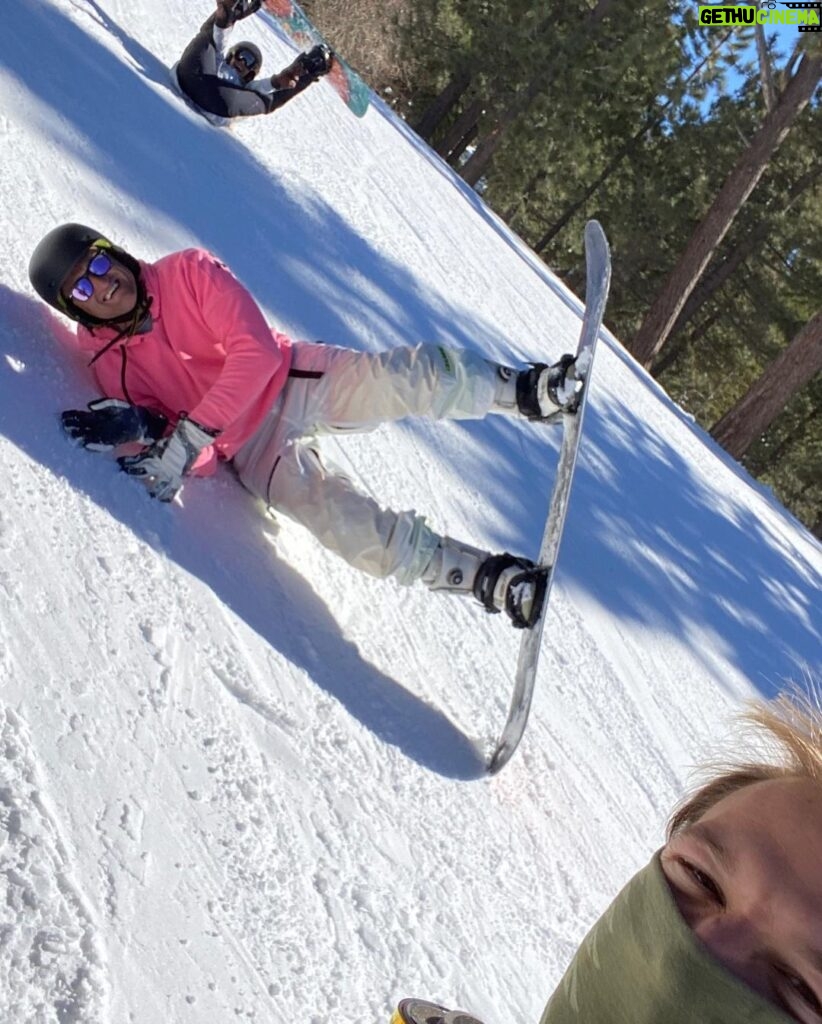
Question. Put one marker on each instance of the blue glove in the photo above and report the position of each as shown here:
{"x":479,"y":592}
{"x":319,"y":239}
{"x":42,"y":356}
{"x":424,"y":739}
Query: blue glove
{"x":163,"y":466}
{"x":111,"y":422}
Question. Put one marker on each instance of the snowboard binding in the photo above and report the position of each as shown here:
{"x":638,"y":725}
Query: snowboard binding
{"x":316,"y":63}
{"x":418,"y":1011}
{"x":231,"y":11}
{"x":514,"y":585}
{"x":239,"y":9}
{"x":543,"y":390}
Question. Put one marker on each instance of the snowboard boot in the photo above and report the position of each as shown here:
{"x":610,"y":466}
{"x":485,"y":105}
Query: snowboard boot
{"x":501,"y":583}
{"x":418,"y":1011}
{"x":541,"y":391}
{"x":514,"y":585}
{"x":314,"y":64}
{"x":304,"y":69}
{"x":230,"y":11}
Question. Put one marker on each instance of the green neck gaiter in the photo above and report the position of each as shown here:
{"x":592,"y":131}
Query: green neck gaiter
{"x":640,"y":964}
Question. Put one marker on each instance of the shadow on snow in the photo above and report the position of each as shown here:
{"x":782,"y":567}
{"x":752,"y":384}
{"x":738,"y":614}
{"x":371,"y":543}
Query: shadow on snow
{"x":646,"y":539}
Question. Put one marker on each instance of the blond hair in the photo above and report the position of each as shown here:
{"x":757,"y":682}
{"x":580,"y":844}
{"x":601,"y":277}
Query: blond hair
{"x":788,"y":733}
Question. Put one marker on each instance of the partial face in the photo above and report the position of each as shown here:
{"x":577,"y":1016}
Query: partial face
{"x":244,"y":63}
{"x":113,"y":293}
{"x":747,"y":878}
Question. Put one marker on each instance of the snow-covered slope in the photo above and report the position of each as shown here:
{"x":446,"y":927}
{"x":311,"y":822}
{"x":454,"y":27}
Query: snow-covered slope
{"x":238,"y":781}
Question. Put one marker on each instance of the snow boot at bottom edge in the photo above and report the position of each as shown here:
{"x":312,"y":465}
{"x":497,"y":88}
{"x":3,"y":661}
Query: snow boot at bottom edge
{"x":419,"y":1011}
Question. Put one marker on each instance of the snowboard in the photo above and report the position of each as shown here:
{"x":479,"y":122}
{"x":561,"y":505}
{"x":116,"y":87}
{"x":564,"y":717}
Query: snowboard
{"x":598,"y":277}
{"x":420,"y":1011}
{"x":290,"y":18}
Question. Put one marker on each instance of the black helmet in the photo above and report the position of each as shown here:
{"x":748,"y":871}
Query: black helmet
{"x":57,"y":253}
{"x":246,"y":49}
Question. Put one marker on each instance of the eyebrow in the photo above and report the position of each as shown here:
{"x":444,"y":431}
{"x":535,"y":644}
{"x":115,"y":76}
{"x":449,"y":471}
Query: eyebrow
{"x":707,"y":835}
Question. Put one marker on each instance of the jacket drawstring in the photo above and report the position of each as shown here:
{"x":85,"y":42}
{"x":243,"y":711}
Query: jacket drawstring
{"x":123,"y":361}
{"x":141,"y":312}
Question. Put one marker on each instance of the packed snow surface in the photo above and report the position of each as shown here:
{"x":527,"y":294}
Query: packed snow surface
{"x":238,"y":780}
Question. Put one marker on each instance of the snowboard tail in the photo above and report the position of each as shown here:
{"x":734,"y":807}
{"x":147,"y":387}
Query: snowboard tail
{"x":290,"y":18}
{"x":598,"y":269}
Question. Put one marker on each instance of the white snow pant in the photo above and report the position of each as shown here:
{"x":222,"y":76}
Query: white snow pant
{"x":336,"y":390}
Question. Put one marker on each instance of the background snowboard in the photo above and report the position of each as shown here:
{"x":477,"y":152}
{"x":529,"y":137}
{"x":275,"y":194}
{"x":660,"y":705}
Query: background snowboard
{"x":290,"y":17}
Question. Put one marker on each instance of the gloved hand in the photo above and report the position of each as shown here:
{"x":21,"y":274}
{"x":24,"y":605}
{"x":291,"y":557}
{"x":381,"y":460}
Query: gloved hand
{"x":111,"y":422}
{"x":229,"y":11}
{"x":163,"y":465}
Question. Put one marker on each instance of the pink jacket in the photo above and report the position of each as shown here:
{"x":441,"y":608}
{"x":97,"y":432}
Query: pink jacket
{"x":209,"y":352}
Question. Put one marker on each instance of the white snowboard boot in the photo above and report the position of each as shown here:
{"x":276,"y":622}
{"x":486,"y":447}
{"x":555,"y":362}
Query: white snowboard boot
{"x":541,"y":391}
{"x":501,"y":583}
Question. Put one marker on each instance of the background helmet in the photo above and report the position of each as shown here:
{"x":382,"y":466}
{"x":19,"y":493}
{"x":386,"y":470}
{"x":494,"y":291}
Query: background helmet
{"x":57,"y":253}
{"x":246,"y":48}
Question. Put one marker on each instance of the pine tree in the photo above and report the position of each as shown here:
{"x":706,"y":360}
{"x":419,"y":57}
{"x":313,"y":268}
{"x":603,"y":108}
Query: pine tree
{"x":739,"y":184}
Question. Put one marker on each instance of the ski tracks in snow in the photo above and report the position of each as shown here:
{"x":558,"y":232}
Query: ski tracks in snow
{"x":53,"y":966}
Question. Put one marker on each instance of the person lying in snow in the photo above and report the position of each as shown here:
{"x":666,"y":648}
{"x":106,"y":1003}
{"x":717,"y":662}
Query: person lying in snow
{"x":223,"y":84}
{"x":184,"y":334}
{"x":724,"y":925}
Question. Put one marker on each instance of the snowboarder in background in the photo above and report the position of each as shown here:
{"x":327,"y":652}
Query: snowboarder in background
{"x":184,"y":334}
{"x":224,"y":85}
{"x":724,"y":925}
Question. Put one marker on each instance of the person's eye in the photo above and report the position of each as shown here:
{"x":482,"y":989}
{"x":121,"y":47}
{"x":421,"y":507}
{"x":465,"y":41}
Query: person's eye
{"x":798,"y":998}
{"x":704,"y":882}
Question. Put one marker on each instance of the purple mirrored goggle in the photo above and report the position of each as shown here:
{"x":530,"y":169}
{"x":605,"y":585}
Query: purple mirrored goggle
{"x":83,"y":288}
{"x":247,"y":57}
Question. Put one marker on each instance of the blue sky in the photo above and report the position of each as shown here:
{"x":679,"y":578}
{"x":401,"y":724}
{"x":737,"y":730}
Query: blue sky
{"x":785,"y":38}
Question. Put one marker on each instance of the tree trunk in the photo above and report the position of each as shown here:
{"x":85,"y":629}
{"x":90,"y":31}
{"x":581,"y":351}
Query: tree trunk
{"x":464,"y":124}
{"x":719,"y":273}
{"x":766,"y":398}
{"x":462,"y":145}
{"x":739,"y":184}
{"x":441,"y":107}
{"x":483,"y":154}
{"x":765,"y":74}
